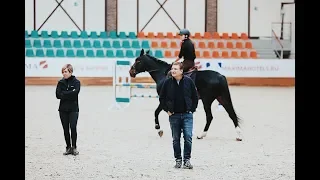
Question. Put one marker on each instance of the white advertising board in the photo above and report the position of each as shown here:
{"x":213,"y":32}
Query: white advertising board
{"x":96,"y":67}
{"x":251,"y":68}
{"x":82,"y":67}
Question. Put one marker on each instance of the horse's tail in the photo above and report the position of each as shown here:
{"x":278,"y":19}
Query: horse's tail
{"x":226,"y":100}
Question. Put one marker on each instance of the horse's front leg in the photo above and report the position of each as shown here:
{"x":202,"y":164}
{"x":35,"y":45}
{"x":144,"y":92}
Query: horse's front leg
{"x":156,"y":120}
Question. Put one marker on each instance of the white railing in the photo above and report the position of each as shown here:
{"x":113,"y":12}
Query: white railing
{"x":276,"y":44}
{"x":282,"y":30}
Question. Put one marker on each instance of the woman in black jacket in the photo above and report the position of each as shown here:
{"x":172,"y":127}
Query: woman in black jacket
{"x":67,"y":91}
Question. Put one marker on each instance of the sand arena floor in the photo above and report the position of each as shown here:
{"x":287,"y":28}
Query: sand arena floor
{"x":124,"y":145}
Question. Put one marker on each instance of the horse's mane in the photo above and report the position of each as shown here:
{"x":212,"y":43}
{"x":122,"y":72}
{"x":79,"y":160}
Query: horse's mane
{"x":157,"y":60}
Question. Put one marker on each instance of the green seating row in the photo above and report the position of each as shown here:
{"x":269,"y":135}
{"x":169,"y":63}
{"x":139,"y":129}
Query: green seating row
{"x":88,"y":53}
{"x":83,"y":34}
{"x":87,"y":44}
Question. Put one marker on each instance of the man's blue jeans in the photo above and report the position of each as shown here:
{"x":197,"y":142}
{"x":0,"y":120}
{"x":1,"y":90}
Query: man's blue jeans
{"x":182,"y":122}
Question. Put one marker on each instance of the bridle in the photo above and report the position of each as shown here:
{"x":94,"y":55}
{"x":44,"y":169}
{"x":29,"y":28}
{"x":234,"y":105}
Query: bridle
{"x":145,"y":69}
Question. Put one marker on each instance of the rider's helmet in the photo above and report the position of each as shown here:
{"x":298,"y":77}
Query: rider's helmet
{"x":185,"y":32}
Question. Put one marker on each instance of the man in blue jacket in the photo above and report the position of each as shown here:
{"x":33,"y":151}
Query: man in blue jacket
{"x":179,"y":99}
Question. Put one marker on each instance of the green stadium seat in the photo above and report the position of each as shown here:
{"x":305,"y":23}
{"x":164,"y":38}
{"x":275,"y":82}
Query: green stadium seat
{"x":150,"y":52}
{"x":26,"y":34}
{"x":158,"y":54}
{"x":37,"y":43}
{"x":116,"y":44}
{"x":94,"y":35}
{"x":67,"y":44}
{"x":106,"y":44}
{"x":113,"y":34}
{"x":132,"y":35}
{"x":74,"y":34}
{"x":103,"y":35}
{"x":136,"y":44}
{"x":90,"y":53}
{"x":27,"y":43}
{"x":54,"y":34}
{"x":44,"y":34}
{"x":49,"y":53}
{"x":119,"y":53}
{"x":96,"y":44}
{"x":57,"y":44}
{"x":47,"y":43}
{"x":84,"y":34}
{"x":64,"y":34}
{"x":29,"y":53}
{"x":110,"y":53}
{"x":137,"y":53}
{"x":60,"y":53}
{"x":80,"y":53}
{"x":126,"y":44}
{"x":39,"y":53}
{"x":145,"y":44}
{"x":77,"y":44}
{"x":129,"y":54}
{"x":34,"y":34}
{"x":87,"y":44}
{"x":70,"y":53}
{"x":100,"y":53}
{"x":122,"y":35}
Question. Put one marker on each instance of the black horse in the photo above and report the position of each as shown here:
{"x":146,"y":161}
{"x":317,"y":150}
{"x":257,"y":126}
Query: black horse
{"x":211,"y":85}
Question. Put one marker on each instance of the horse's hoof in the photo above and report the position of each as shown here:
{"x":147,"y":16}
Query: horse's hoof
{"x":160,"y":133}
{"x":199,"y":137}
{"x":238,"y":139}
{"x":157,"y":126}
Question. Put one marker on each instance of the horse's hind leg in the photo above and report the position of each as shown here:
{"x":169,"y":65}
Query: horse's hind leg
{"x":232,"y":114}
{"x":207,"y":102}
{"x":156,"y":120}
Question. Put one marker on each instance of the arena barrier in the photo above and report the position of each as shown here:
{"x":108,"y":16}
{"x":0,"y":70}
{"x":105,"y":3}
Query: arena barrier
{"x":122,"y":86}
{"x":99,"y":71}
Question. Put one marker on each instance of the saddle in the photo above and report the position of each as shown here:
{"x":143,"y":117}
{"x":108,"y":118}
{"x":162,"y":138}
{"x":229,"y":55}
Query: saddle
{"x":191,"y":73}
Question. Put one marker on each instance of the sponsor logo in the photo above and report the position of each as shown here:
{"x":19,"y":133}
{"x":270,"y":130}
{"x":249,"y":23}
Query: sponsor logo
{"x":91,"y":68}
{"x":36,"y":66}
{"x":226,"y":67}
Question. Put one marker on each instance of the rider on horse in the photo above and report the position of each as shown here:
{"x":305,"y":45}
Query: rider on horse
{"x":187,"y":50}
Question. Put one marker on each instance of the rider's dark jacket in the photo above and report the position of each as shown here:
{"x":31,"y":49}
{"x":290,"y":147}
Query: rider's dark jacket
{"x":187,"y":50}
{"x":182,"y":97}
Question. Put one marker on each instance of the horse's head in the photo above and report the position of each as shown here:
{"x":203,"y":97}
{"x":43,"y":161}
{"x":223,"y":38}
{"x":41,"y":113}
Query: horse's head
{"x":143,"y":63}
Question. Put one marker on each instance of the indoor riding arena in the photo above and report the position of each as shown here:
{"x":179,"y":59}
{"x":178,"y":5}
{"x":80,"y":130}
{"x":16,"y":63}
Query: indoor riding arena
{"x":251,"y":43}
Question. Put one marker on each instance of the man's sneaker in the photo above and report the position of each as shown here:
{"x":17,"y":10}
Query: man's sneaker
{"x":187,"y":164}
{"x":74,"y":151}
{"x":178,"y":163}
{"x":68,"y":151}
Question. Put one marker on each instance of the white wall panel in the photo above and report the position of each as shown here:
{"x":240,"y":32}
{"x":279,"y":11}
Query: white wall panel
{"x":160,"y":22}
{"x":59,"y":20}
{"x":262,"y":14}
{"x":29,"y":15}
{"x":195,"y":16}
{"x":95,"y":15}
{"x":232,"y":16}
{"x":127,"y":15}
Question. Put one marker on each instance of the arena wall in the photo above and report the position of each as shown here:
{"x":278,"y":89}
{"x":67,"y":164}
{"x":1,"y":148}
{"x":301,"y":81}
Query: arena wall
{"x":97,"y":71}
{"x":285,"y":82}
{"x":254,"y":17}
